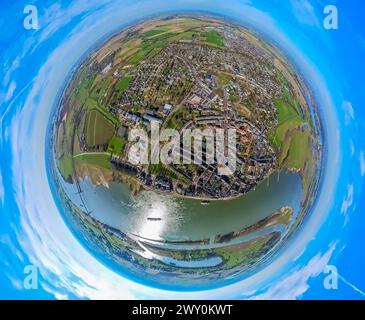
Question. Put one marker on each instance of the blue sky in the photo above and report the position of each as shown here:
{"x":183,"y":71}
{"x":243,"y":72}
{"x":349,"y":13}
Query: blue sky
{"x":37,"y":63}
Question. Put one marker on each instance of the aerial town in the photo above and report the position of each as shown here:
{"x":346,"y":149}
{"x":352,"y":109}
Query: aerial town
{"x":190,"y":76}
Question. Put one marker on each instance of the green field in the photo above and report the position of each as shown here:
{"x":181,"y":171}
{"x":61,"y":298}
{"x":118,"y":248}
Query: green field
{"x":288,"y":120}
{"x":215,"y":38}
{"x":244,"y":254}
{"x":116,"y":145}
{"x":83,"y":88}
{"x":98,"y":130}
{"x":178,"y":117}
{"x":109,"y":116}
{"x":154,"y":52}
{"x":163,"y":170}
{"x":300,"y":148}
{"x":224,"y":78}
{"x":101,"y":160}
{"x":123,"y":83}
{"x":147,"y":48}
{"x":139,"y":56}
{"x":101,"y":88}
{"x":93,"y":104}
{"x":188,"y":35}
{"x":65,"y":165}
{"x":290,"y":139}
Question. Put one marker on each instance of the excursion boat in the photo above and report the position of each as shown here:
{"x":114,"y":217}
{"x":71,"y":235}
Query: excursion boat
{"x":154,"y":219}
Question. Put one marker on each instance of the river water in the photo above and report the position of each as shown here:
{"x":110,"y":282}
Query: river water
{"x":177,"y":219}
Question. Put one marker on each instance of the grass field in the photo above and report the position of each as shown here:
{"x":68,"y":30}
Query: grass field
{"x":146,"y":49}
{"x":116,"y":145}
{"x":176,"y":119}
{"x":213,"y":37}
{"x":292,"y":141}
{"x":98,"y":130}
{"x":109,"y":116}
{"x":83,"y":88}
{"x":65,"y":165}
{"x":300,"y":148}
{"x":101,"y":160}
{"x":288,"y":119}
{"x":163,"y":170}
{"x":224,"y":78}
{"x":139,"y":56}
{"x":93,"y":104}
{"x":83,"y":91}
{"x":244,"y":253}
{"x":154,"y":52}
{"x":188,"y":35}
{"x":101,"y":88}
{"x":123,"y":83}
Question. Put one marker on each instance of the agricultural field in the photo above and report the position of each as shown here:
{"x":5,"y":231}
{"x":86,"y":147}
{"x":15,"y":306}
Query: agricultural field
{"x":292,"y":136}
{"x":155,"y":32}
{"x":100,"y":160}
{"x":98,"y":130}
{"x":215,"y":38}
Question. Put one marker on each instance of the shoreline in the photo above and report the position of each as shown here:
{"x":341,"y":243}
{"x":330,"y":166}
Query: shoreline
{"x":143,"y":188}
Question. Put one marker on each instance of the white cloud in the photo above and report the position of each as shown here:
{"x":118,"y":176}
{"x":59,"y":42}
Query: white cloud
{"x":362,"y":163}
{"x":10,"y":92}
{"x":348,"y":201}
{"x":349,"y":111}
{"x":352,"y":286}
{"x":296,"y":284}
{"x":13,"y":66}
{"x":352,"y":148}
{"x":305,"y":12}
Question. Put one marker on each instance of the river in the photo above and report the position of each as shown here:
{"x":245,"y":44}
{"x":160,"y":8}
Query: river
{"x":177,"y":219}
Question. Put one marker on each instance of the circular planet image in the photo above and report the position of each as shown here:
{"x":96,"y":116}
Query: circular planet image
{"x":186,"y":151}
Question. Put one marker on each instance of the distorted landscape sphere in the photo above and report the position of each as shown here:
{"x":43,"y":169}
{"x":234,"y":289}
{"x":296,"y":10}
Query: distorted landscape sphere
{"x":187,"y":151}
